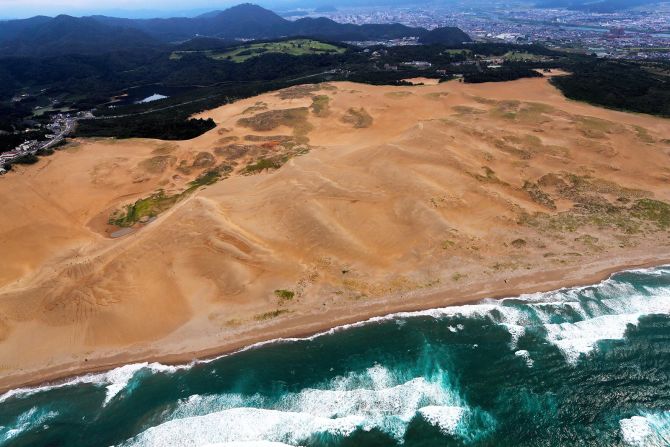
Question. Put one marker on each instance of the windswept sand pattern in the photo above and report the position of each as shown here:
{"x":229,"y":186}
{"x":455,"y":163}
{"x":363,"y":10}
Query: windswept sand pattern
{"x":347,"y":196}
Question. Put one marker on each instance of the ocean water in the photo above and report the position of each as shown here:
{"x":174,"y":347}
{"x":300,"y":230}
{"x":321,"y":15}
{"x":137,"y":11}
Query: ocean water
{"x":585,"y":366}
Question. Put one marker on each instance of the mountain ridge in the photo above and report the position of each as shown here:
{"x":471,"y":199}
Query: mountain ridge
{"x":40,"y":35}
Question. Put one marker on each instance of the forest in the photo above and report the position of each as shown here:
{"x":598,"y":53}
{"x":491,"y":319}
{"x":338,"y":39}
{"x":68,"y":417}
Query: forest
{"x":197,"y":82}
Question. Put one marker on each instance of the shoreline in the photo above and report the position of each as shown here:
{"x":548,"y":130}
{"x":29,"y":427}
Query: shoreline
{"x":310,"y":325}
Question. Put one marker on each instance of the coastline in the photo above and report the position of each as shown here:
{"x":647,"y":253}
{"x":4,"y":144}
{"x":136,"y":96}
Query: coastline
{"x":308,"y":325}
{"x":431,"y":205}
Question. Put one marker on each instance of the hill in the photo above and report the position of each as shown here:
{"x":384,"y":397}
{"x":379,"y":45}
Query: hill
{"x":445,"y":35}
{"x":70,"y":35}
{"x":249,"y":21}
{"x":40,"y":36}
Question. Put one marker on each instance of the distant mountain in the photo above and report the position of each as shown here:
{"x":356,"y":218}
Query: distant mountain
{"x":249,"y":21}
{"x":445,"y":35}
{"x":41,"y":36}
{"x":11,"y":29}
{"x":209,"y":14}
{"x":603,"y":6}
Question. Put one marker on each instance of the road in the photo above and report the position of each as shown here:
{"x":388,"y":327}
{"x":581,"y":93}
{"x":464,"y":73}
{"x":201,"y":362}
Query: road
{"x":69,"y":127}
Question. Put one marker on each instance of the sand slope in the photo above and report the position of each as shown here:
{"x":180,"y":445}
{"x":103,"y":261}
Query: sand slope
{"x":388,"y":198}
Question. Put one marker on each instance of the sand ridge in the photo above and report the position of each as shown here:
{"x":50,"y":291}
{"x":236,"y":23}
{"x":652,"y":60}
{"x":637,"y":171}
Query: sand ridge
{"x":332,"y":198}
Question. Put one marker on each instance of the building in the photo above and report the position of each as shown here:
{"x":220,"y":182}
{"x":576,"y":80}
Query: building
{"x":418,"y":64}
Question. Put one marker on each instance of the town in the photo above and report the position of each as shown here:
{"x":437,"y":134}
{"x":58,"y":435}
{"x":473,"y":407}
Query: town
{"x":641,"y":33}
{"x":62,"y":124}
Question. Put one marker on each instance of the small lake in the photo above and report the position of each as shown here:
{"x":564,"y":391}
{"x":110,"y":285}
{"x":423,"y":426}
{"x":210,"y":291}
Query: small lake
{"x":149,"y":93}
{"x":152,"y":98}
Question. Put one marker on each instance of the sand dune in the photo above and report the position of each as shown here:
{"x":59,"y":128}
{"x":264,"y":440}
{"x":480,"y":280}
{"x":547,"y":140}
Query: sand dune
{"x":333,"y":202}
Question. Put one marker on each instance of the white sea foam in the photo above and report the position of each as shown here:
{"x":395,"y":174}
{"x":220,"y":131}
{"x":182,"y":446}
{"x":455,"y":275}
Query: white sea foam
{"x":516,"y":332}
{"x":616,"y":314}
{"x":647,"y":430}
{"x":115,"y":380}
{"x":248,"y":444}
{"x":575,"y":339}
{"x":444,"y":418}
{"x":244,"y":425}
{"x":526,"y":356}
{"x":25,"y":422}
{"x":371,"y":399}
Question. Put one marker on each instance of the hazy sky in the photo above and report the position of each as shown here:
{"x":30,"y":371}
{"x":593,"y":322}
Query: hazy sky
{"x":26,"y":8}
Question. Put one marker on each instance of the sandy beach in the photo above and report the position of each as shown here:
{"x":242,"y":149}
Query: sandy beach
{"x":309,"y":325}
{"x":337,"y":203}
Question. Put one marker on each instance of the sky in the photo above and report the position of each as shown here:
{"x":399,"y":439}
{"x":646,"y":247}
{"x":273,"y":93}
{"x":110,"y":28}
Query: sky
{"x":139,"y":8}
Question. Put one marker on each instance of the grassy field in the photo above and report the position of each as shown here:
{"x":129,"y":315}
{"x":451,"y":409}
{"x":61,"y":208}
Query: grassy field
{"x":295,"y":47}
{"x":453,"y":51}
{"x":516,"y":56}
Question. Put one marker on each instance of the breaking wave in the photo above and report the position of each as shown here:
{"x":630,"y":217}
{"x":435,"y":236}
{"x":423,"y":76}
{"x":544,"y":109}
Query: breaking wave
{"x":420,"y":382}
{"x":114,"y":381}
{"x":26,"y":421}
{"x":375,"y":399}
{"x":647,"y":430}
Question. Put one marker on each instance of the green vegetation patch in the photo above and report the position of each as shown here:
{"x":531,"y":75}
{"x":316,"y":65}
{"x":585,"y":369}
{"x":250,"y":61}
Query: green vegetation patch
{"x":643,"y":134}
{"x":653,"y":211}
{"x":298,"y":91}
{"x":228,"y":139}
{"x":596,"y":202}
{"x":283,"y":139}
{"x":467,"y":110}
{"x":284,"y":295}
{"x":398,"y":95}
{"x":271,"y":315}
{"x":522,"y":56}
{"x":294,"y":47}
{"x":258,"y":107}
{"x":158,"y":164}
{"x":529,"y":113}
{"x":152,"y":206}
{"x":524,"y":146}
{"x":458,"y":276}
{"x":448,"y":244}
{"x":320,"y":106}
{"x":435,"y":96}
{"x":289,"y":149}
{"x":359,"y":118}
{"x":591,"y":242}
{"x":519,"y":243}
{"x":538,"y":196}
{"x":235,"y":151}
{"x":165,"y":149}
{"x":144,"y":208}
{"x":209,"y":178}
{"x":264,"y":164}
{"x":203,"y":160}
{"x":592,"y":127}
{"x":489,"y":176}
{"x":270,"y":120}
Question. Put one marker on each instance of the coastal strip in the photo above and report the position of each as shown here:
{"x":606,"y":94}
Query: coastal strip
{"x":312,"y":325}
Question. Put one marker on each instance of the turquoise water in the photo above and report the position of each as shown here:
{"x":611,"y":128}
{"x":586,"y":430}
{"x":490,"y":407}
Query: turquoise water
{"x":586,"y":366}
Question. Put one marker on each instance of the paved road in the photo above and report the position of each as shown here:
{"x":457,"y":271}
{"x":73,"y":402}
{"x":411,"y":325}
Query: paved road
{"x":69,"y":127}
